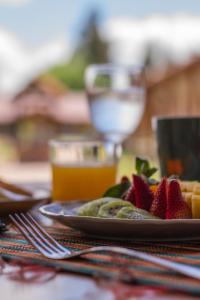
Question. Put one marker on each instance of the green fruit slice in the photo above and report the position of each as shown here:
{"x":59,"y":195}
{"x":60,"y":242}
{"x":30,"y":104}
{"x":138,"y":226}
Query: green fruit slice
{"x":92,"y":208}
{"x":111,"y":209}
{"x":134,"y":213}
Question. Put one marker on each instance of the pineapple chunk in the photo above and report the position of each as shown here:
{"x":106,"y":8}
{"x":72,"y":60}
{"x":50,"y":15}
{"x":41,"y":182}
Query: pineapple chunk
{"x":189,"y":186}
{"x":191,"y":194}
{"x":187,"y":196}
{"x":183,"y":186}
{"x":196,"y":190}
{"x":195,"y":201}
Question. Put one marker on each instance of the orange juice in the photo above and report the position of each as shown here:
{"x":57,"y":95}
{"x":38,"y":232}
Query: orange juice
{"x":81,"y":182}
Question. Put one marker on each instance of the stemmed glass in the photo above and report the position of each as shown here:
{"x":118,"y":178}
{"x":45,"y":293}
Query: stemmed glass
{"x":116,"y":97}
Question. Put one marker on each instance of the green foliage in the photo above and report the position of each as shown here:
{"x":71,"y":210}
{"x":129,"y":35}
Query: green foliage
{"x":118,"y":190}
{"x":103,"y":81}
{"x":91,"y":49}
{"x":143,"y":167}
{"x":71,"y":74}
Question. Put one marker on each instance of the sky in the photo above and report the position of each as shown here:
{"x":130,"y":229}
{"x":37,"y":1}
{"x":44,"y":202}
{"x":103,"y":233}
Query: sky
{"x":38,"y":21}
{"x":37,"y":34}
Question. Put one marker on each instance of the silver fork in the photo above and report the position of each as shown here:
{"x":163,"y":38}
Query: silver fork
{"x":50,"y":248}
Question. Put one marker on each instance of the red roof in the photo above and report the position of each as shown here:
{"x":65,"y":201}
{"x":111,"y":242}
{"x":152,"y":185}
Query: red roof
{"x":72,"y":108}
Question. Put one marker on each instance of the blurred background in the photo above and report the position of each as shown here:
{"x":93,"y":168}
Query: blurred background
{"x":45,"y":47}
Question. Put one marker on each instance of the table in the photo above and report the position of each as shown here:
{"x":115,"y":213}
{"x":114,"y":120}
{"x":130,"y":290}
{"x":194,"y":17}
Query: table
{"x":66,"y":286}
{"x":62,"y":287}
{"x":73,"y":287}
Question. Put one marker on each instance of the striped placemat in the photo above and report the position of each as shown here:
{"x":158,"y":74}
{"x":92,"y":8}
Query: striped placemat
{"x":14,"y":245}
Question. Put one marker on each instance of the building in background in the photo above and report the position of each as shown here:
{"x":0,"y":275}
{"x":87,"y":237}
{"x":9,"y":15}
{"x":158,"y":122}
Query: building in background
{"x":174,"y":93}
{"x":43,"y":110}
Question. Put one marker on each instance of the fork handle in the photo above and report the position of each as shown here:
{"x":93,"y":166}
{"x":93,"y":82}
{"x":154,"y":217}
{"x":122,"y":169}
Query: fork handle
{"x":178,"y":267}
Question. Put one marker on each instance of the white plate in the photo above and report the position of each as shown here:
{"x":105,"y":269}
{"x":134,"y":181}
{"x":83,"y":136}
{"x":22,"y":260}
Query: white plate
{"x":122,"y":228}
{"x":24,"y":204}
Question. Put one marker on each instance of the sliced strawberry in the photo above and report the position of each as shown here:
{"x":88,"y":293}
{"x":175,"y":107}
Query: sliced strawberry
{"x":142,"y":192}
{"x":125,"y":179}
{"x":177,"y":208}
{"x":130,"y":195}
{"x":159,"y":204}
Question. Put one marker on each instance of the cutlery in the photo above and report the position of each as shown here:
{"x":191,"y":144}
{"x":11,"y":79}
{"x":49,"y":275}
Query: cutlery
{"x":50,"y":248}
{"x":14,"y":189}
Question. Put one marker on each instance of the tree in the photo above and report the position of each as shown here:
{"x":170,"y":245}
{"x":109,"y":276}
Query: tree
{"x":91,"y":49}
{"x":92,"y":46}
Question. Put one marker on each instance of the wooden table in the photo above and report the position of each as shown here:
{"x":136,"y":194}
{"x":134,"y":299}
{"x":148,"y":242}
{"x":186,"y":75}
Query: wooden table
{"x":68,"y":286}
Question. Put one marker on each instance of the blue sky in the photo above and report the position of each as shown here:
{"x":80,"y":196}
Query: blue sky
{"x":37,"y":21}
{"x":38,"y":34}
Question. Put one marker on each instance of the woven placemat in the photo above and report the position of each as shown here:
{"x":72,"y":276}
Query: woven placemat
{"x":12,"y":244}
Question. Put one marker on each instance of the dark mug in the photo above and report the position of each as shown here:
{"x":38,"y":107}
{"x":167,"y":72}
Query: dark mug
{"x":178,"y":140}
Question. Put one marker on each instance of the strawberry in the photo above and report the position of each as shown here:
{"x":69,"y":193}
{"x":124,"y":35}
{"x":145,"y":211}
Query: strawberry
{"x":177,"y":208}
{"x":159,"y":204}
{"x":143,"y":194}
{"x":130,"y":195}
{"x":124,"y":180}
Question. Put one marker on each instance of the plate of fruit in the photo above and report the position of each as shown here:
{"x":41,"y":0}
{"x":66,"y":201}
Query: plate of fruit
{"x":137,"y":209}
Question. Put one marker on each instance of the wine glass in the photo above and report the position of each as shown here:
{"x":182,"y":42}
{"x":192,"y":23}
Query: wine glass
{"x":116,"y":96}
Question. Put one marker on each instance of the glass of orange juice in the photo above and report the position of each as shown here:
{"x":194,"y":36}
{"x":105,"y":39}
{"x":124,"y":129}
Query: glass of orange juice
{"x":82,"y":169}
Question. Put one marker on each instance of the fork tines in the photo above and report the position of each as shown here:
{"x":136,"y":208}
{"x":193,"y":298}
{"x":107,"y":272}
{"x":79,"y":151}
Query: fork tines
{"x":35,"y":234}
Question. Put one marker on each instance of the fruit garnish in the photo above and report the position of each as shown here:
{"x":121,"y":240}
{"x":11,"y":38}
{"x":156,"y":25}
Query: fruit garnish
{"x":159,"y":204}
{"x":154,"y":188}
{"x":191,"y":194}
{"x":195,"y":206}
{"x":118,"y":190}
{"x":171,"y":198}
{"x":92,"y":208}
{"x":134,"y":213}
{"x":177,"y":208}
{"x":110,"y":209}
{"x":143,"y":169}
{"x":195,"y":201}
{"x":130,"y":195}
{"x":187,"y":197}
{"x":142,"y":192}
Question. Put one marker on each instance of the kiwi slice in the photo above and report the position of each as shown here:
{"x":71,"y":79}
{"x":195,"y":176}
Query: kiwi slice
{"x":134,"y":213}
{"x":92,"y":208}
{"x":110,"y":210}
{"x":142,"y":211}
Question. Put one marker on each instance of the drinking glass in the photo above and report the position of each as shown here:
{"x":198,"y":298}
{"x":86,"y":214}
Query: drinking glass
{"x":116,"y":97}
{"x":82,"y":169}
